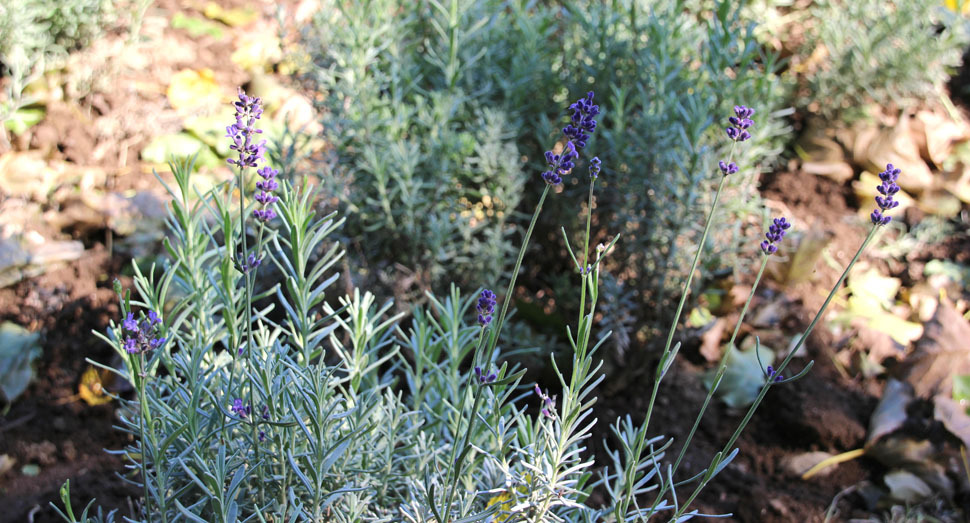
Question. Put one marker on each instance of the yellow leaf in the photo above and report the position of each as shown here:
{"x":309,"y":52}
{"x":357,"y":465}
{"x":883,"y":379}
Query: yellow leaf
{"x":90,"y":389}
{"x":232,"y":17}
{"x":190,"y":89}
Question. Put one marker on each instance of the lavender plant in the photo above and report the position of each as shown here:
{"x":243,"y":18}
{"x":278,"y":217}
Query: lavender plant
{"x":265,"y":402}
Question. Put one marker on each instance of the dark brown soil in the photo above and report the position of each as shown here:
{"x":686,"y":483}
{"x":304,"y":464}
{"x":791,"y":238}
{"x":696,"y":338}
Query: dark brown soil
{"x":49,"y":426}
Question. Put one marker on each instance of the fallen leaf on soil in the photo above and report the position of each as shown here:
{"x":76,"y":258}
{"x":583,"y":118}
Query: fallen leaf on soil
{"x":799,"y":464}
{"x":898,"y":146}
{"x":258,"y":51}
{"x":90,"y":389}
{"x":953,"y":416}
{"x":6,"y":463}
{"x":907,"y":487}
{"x":28,"y":255}
{"x":233,"y":17}
{"x":940,"y":133}
{"x":181,"y":145}
{"x":18,"y":350}
{"x":190,"y":89}
{"x":196,"y":27}
{"x":890,"y":414}
{"x":711,"y":340}
{"x":743,"y":376}
{"x":940,"y":353}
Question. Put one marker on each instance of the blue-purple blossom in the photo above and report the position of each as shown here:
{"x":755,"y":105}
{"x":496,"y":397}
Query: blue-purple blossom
{"x":485,"y":378}
{"x":740,"y":122}
{"x":774,"y":235}
{"x":581,"y":126}
{"x":265,"y":195}
{"x":773,"y":374}
{"x":548,"y":403}
{"x":239,"y":409}
{"x":486,"y":307}
{"x":887,"y":191}
{"x":141,"y":335}
{"x":583,"y":120}
{"x":727,"y":168}
{"x":594,"y":167}
{"x":248,"y":110}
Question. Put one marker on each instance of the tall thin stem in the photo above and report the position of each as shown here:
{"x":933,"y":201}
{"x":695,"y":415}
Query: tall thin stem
{"x":768,"y":384}
{"x":722,"y":366}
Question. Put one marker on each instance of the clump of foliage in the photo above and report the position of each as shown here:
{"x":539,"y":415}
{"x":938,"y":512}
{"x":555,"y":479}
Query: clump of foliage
{"x":272,"y":403}
{"x":435,"y":108}
{"x":858,"y":53}
{"x":37,"y":33}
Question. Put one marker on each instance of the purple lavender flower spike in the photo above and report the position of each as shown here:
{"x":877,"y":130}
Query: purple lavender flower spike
{"x":887,"y":191}
{"x":581,"y":126}
{"x":548,"y":403}
{"x":486,"y":308}
{"x":594,"y":167}
{"x":774,"y":235}
{"x":248,"y":110}
{"x":740,"y":122}
{"x":142,"y":335}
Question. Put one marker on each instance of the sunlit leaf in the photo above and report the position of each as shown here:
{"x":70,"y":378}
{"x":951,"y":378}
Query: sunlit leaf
{"x":190,"y":88}
{"x":91,"y":387}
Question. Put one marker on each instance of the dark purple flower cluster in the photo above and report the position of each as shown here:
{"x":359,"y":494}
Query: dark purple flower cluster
{"x":249,"y":264}
{"x":583,"y":120}
{"x":265,"y":195}
{"x":239,"y":409}
{"x":578,"y":132}
{"x":773,"y":374}
{"x":485,"y":378}
{"x":728,"y":168}
{"x":248,"y":110}
{"x":548,"y":403}
{"x":486,"y":307}
{"x":740,"y":122}
{"x":594,"y":167}
{"x":887,"y":190}
{"x":774,"y":235}
{"x":141,"y":335}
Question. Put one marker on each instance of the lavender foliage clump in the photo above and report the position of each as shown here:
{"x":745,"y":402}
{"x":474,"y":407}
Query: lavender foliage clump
{"x":581,"y":126}
{"x":486,"y":307}
{"x":740,"y":123}
{"x":887,"y":191}
{"x":774,"y":235}
{"x":142,"y":335}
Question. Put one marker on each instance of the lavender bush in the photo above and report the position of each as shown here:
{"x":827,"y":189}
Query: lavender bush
{"x":295,"y":410}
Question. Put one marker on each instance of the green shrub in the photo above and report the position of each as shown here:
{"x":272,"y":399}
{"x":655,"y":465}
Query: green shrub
{"x":878,"y":52}
{"x":432,"y":107}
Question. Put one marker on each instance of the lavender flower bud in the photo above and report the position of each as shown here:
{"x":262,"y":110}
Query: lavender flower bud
{"x":887,"y":190}
{"x":774,"y":235}
{"x":239,"y":409}
{"x":727,"y":168}
{"x":581,"y":126}
{"x":594,"y":167}
{"x":486,"y":307}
